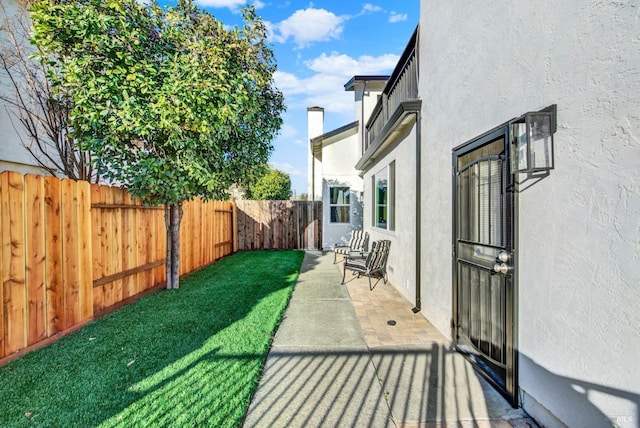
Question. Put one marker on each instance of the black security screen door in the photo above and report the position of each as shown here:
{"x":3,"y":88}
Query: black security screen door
{"x":483,"y":283}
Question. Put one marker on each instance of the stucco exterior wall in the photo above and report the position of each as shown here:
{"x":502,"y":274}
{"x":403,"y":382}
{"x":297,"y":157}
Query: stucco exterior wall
{"x":578,"y":249}
{"x":401,"y":265}
{"x":365,"y":99}
{"x":339,"y":157}
{"x":370,"y":99}
{"x":13,"y":155}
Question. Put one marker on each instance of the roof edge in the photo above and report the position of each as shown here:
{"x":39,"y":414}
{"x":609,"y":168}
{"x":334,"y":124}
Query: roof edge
{"x":349,"y":86}
{"x":335,"y":132}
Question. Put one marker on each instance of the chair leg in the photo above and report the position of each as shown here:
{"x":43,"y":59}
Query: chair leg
{"x":344,"y":274}
{"x":371,"y":287}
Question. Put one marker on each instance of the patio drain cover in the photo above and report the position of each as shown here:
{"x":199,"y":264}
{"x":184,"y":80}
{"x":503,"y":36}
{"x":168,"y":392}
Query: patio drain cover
{"x":391,"y":322}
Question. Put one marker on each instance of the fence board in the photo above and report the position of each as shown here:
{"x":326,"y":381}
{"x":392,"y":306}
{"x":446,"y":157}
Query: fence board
{"x":53,"y":256}
{"x":3,"y":325}
{"x":70,"y":268}
{"x":98,"y":269}
{"x":137,"y":244}
{"x":107,"y":240}
{"x":212,"y":229}
{"x":35,"y":252}
{"x":156,"y":246}
{"x":129,"y":259}
{"x":186,"y":231}
{"x":13,"y":262}
{"x":85,"y":250}
{"x":116,"y":249}
{"x":144,"y":247}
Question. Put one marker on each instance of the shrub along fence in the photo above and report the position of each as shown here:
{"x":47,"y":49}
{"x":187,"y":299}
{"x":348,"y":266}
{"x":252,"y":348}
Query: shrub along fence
{"x":70,"y":251}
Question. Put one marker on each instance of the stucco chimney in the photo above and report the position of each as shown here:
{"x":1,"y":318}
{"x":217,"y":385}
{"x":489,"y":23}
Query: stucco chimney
{"x":315,"y":121}
{"x":315,"y":125}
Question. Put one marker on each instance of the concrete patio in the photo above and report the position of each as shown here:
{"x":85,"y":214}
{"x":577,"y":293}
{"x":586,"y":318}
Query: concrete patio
{"x":337,"y":361}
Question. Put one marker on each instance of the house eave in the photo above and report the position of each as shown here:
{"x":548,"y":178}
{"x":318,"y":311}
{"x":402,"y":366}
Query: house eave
{"x":331,"y":136}
{"x":350,"y":85}
{"x":403,"y":116}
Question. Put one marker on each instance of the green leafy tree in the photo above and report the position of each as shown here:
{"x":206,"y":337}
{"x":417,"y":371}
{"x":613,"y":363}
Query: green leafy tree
{"x":172,"y":104}
{"x":274,"y":185}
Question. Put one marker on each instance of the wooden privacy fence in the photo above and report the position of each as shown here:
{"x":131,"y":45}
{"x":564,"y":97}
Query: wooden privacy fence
{"x":279,"y":225}
{"x":71,"y":250}
{"x":46,"y":258}
{"x":129,"y":242}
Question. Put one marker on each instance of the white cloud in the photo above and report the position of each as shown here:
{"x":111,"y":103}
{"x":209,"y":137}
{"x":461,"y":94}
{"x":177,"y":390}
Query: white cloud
{"x":397,"y":17}
{"x":234,"y":5}
{"x":325,"y":87}
{"x":369,"y":8}
{"x":320,"y":89}
{"x":306,"y":26}
{"x":344,"y":65}
{"x":288,"y":83}
{"x":288,"y":168}
{"x":337,"y":102}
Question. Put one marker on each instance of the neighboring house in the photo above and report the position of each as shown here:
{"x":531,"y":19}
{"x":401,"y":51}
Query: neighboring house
{"x":332,"y":156}
{"x":13,"y":155}
{"x":532,"y":271}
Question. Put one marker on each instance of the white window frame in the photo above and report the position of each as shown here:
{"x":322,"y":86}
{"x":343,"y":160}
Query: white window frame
{"x":384,"y":177}
{"x":345,"y":203}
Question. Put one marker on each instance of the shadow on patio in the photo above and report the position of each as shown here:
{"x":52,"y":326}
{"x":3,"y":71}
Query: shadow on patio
{"x":336,"y":361}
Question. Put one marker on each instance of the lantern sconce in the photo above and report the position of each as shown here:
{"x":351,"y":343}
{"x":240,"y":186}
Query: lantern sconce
{"x":532,"y":138}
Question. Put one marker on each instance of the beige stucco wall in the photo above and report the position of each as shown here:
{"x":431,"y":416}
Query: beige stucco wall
{"x":578,"y":271}
{"x":339,"y":158}
{"x":365,"y":96}
{"x":401,"y":265}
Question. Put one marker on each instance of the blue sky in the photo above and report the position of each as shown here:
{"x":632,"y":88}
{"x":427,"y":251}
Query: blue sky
{"x":319,"y":46}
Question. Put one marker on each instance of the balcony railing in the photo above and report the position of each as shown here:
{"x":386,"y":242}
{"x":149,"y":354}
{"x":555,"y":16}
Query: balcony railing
{"x":402,"y":86}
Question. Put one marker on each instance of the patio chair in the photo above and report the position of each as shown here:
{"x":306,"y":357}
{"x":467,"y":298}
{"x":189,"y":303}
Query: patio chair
{"x":374,"y":265}
{"x":358,"y":243}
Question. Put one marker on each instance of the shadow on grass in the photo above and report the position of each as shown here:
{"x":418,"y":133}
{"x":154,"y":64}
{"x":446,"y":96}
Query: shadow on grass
{"x":191,"y":356}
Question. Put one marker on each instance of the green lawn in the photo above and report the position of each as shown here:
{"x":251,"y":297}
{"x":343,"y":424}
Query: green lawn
{"x":187,"y":357}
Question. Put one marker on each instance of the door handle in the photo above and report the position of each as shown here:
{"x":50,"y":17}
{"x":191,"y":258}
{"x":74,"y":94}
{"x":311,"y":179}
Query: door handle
{"x":501,"y":265}
{"x":502,"y":268}
{"x":503,"y":257}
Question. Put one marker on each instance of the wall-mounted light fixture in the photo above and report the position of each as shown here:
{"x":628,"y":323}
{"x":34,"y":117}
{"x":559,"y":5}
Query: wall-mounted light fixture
{"x":532,"y":138}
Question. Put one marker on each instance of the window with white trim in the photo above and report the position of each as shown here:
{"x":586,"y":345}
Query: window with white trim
{"x":383,"y":198}
{"x":340,"y":204}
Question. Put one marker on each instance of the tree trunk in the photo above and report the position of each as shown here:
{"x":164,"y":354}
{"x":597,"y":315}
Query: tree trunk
{"x":172,"y":220}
